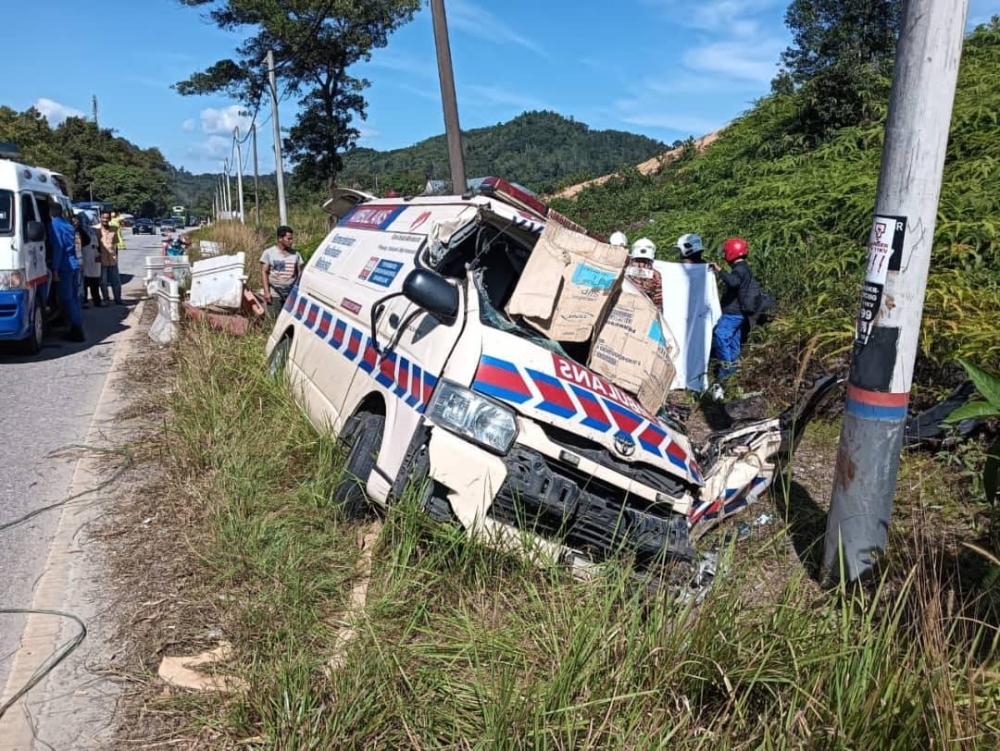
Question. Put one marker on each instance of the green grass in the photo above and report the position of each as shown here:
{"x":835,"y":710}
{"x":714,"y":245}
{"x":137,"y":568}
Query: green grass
{"x":461,"y":646}
{"x":807,"y":212}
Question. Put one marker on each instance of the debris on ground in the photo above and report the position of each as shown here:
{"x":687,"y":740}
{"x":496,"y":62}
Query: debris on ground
{"x":181,"y":672}
{"x":929,"y":427}
{"x":367,"y":537}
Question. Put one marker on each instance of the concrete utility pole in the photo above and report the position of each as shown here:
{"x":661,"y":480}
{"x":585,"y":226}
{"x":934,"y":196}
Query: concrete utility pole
{"x":229,"y":188}
{"x":892,"y":295}
{"x":448,"y":99}
{"x":239,"y":170}
{"x":256,"y":178}
{"x":93,"y":103}
{"x":278,"y":167}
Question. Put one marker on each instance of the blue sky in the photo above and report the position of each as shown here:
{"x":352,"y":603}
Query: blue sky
{"x":665,"y":68}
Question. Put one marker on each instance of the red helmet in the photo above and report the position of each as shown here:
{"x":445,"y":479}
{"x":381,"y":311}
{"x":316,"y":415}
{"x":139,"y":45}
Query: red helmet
{"x":735,"y":248}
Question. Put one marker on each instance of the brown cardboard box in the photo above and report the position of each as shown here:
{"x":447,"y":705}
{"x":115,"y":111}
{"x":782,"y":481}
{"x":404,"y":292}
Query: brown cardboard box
{"x":634,"y":347}
{"x":567,"y":284}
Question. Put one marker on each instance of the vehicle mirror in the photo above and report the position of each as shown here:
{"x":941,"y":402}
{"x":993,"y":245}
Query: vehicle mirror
{"x":35,"y":232}
{"x":433,"y":293}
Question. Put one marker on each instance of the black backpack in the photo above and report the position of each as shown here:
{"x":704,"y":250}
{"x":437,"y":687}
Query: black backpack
{"x":755,"y":302}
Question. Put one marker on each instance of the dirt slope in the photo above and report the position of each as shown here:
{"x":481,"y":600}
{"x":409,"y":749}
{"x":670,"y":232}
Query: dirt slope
{"x":649,"y":167}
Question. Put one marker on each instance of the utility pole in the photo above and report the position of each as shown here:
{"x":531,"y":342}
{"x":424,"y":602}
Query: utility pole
{"x":229,"y":188}
{"x":239,"y":170}
{"x":256,"y":178}
{"x":892,"y":296}
{"x":448,"y":100}
{"x":278,"y":168}
{"x":93,"y":104}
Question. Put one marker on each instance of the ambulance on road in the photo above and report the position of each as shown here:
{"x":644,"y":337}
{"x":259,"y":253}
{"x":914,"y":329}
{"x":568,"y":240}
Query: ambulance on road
{"x":26,"y":193}
{"x":396,"y":340}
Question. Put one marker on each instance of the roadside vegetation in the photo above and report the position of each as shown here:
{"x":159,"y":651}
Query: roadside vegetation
{"x":399,"y":633}
{"x":804,"y":200}
{"x":460,"y":646}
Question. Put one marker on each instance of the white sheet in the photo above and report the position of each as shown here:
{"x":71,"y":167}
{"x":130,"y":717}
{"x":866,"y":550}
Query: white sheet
{"x":691,"y":309}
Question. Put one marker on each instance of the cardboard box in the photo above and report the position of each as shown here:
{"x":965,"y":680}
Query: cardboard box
{"x":634,"y":348}
{"x":567,"y":284}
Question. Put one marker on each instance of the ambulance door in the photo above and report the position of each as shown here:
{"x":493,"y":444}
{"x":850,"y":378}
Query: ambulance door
{"x":32,"y":253}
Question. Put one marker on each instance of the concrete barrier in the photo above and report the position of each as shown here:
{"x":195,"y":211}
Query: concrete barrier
{"x":210,"y":248}
{"x":218,"y":281}
{"x":173,"y":267}
{"x":168,"y":310}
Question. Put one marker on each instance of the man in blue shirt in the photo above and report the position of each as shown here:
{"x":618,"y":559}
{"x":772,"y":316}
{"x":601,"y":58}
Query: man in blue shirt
{"x":66,"y":271}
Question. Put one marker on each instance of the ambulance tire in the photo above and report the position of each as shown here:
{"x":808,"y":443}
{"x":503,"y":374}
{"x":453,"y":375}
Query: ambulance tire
{"x":32,"y":345}
{"x":364,"y":436}
{"x":279,"y":357}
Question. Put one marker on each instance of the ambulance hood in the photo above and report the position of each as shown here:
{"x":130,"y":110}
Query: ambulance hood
{"x":557,"y":391}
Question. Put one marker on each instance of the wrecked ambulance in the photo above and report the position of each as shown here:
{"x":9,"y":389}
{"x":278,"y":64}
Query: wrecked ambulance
{"x":395,"y":339}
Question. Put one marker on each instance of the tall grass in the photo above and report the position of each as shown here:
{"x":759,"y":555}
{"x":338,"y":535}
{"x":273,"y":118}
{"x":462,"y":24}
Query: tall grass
{"x":462,"y":646}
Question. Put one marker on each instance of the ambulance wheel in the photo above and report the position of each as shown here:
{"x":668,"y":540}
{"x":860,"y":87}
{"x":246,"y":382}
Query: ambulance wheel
{"x":364,"y":436}
{"x":279,"y":357}
{"x":33,"y":344}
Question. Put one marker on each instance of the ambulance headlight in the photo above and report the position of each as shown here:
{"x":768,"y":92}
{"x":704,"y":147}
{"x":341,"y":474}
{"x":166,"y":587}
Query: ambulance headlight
{"x":466,"y":413}
{"x":11,"y":280}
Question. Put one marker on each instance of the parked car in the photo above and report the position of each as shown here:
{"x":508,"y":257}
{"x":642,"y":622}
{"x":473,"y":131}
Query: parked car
{"x":143,"y":227}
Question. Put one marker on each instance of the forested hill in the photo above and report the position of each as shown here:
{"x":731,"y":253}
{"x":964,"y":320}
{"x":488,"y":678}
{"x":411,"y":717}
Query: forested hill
{"x":541,"y":150}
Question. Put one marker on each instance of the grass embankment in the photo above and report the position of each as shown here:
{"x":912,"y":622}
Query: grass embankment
{"x":807,"y":212}
{"x":460,"y":646}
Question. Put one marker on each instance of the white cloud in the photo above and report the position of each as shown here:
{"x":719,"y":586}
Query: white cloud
{"x":222,"y":121}
{"x":403,"y":63}
{"x":497,"y":96}
{"x":188,"y":126}
{"x":428,"y":94}
{"x":693,"y":126}
{"x":213,"y":149}
{"x":367,"y":134}
{"x":736,"y":60}
{"x":55,"y":112}
{"x":473,"y":20}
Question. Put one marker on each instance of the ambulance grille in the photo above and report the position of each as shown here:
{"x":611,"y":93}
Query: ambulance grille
{"x":560,"y":503}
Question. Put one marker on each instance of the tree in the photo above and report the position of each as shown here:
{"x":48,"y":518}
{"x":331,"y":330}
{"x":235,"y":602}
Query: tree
{"x":315,"y":43}
{"x":135,"y":189}
{"x":840,"y":60}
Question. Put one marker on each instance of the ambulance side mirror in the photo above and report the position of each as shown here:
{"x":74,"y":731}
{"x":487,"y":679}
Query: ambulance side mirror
{"x":35,"y":232}
{"x":433,"y":293}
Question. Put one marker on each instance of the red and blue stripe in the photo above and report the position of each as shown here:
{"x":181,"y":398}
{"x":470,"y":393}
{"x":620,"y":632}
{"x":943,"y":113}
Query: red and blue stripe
{"x":404,"y":379}
{"x":878,"y":406}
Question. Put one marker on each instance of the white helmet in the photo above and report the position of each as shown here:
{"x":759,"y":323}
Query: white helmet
{"x":643,"y":248}
{"x":619,"y":239}
{"x":689,"y":244}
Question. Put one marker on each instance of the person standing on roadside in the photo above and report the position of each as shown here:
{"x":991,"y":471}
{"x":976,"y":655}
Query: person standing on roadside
{"x":641,"y":273}
{"x":107,"y":238}
{"x":91,"y":261}
{"x":733,"y":326}
{"x":279,"y":269}
{"x":66,"y":271}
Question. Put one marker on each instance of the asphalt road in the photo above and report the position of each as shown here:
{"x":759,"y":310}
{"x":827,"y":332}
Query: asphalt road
{"x":48,"y":403}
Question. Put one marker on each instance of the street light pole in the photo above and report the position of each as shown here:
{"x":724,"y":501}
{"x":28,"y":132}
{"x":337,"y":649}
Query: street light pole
{"x":278,"y":167}
{"x":448,"y":99}
{"x":892,"y":298}
{"x":256,"y":178}
{"x":239,"y":169}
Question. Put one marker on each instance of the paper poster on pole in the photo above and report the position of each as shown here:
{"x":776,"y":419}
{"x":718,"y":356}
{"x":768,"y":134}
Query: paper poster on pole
{"x":885,"y":252}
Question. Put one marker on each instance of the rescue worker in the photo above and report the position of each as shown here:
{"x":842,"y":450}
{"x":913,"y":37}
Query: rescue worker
{"x":66,"y":271}
{"x":690,"y":248}
{"x":733,"y":326}
{"x":619,"y":239}
{"x":641,"y":273}
{"x":116,"y":222}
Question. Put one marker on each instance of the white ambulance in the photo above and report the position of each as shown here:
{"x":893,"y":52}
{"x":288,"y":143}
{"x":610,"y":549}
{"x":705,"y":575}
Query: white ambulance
{"x":26,"y":193}
{"x":395,"y":338}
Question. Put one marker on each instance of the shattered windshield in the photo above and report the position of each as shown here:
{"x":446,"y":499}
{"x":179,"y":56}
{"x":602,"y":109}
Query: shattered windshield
{"x":492,"y":317}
